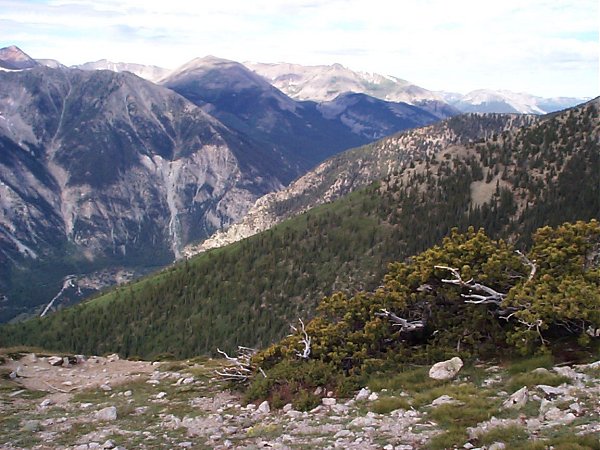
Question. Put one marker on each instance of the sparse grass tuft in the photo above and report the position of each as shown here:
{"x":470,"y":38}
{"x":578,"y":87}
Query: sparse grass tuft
{"x":449,"y":439}
{"x":509,"y":435}
{"x":413,"y":380}
{"x":475,"y":410}
{"x":529,"y":364}
{"x":386,"y":405}
{"x":531,"y":379}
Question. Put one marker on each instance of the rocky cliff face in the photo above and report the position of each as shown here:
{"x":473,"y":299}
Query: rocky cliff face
{"x":353,"y":169}
{"x":100,"y":169}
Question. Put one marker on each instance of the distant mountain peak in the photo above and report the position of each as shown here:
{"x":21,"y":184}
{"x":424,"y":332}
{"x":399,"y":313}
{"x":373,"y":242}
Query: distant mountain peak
{"x":13,"y":58}
{"x":505,"y":101}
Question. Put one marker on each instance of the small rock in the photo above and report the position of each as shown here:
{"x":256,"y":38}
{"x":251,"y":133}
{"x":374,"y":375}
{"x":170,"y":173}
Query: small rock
{"x":105,"y":387}
{"x":343,"y":434}
{"x":362,"y":422}
{"x":443,"y":400}
{"x":569,"y":373}
{"x":328,"y":401}
{"x":161,"y":395}
{"x":363,"y":394}
{"x":373,"y":396}
{"x":66,"y":362}
{"x":188,"y":380}
{"x":517,"y":400}
{"x":112,"y":358}
{"x":288,"y":407}
{"x":55,"y":361}
{"x":109,"y":444}
{"x":446,"y":370}
{"x":497,"y":446}
{"x":551,"y":390}
{"x":576,"y":408}
{"x":540,"y":371}
{"x":127,"y":393}
{"x":264,"y":407}
{"x":468,"y":446}
{"x":47,"y":402}
{"x":107,"y":414}
{"x":154,"y":382}
{"x":318,"y":391}
{"x":388,"y":447}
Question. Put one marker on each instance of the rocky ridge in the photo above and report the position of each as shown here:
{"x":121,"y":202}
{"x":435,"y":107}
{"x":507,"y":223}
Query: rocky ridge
{"x":106,"y":402}
{"x":356,"y":168}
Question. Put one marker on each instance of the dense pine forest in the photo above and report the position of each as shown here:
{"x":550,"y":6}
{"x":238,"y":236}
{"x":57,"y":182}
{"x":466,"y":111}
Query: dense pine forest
{"x":249,"y":292}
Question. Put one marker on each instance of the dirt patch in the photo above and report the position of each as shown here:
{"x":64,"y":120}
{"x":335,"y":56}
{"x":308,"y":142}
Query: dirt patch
{"x":61,"y":383}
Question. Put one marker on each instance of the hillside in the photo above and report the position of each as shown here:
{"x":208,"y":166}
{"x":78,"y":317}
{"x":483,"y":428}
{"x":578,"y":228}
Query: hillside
{"x":351,"y":170}
{"x":249,"y":292}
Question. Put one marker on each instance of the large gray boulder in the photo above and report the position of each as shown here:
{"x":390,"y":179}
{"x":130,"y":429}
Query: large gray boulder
{"x":446,"y":370}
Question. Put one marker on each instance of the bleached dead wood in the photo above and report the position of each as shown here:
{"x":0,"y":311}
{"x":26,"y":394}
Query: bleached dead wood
{"x":306,"y":340}
{"x":405,"y":325}
{"x":479,"y":293}
{"x":241,"y":368}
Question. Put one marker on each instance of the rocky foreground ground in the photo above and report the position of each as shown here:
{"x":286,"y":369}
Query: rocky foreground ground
{"x":105,"y":402}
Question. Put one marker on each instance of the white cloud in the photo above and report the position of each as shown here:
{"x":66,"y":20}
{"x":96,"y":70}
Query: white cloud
{"x":538,"y":45}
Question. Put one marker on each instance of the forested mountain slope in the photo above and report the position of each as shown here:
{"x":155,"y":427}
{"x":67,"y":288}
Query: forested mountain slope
{"x":249,"y":292}
{"x":350,"y":170}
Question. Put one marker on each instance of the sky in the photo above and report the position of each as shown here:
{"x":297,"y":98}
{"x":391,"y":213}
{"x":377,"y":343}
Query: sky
{"x":543,"y":47}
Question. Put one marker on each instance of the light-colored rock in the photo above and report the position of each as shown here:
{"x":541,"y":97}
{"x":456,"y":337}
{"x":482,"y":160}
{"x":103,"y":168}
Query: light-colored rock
{"x":127,"y":393}
{"x":568,"y":372}
{"x":328,"y":401}
{"x":112,"y":358}
{"x":161,"y":395}
{"x":518,"y":399}
{"x":105,"y":387}
{"x":363,"y":394}
{"x":576,"y":408}
{"x":443,"y":400}
{"x":188,"y":380}
{"x":55,"y":361}
{"x":446,"y":370}
{"x":373,"y":396}
{"x":109,"y":444}
{"x":540,"y":371}
{"x":497,"y":446}
{"x":551,"y":390}
{"x":264,"y":407}
{"x":107,"y":414}
{"x":288,"y":407}
{"x":362,"y":422}
{"x":47,"y":402}
{"x":343,"y":434}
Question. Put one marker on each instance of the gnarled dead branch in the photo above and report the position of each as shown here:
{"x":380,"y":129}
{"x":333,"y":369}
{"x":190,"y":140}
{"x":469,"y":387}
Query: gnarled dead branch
{"x":480,"y":293}
{"x":305,"y":340}
{"x":241,"y":368}
{"x":405,"y":325}
{"x":528,"y":262}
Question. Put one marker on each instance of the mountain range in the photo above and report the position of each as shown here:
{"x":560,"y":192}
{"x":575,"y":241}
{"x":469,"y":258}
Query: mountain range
{"x":104,"y":173}
{"x":325,"y":82}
